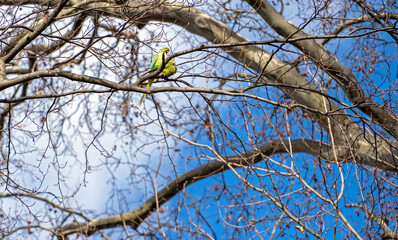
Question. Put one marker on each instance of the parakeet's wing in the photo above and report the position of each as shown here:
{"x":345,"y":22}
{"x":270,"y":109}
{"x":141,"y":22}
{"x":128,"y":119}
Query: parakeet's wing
{"x":170,"y":68}
{"x":157,"y":61}
{"x":171,"y":63}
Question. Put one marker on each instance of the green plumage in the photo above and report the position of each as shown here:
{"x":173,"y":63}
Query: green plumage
{"x":169,"y":69}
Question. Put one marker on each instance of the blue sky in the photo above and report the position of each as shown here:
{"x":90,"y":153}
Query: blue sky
{"x":217,"y":212}
{"x":121,"y":178}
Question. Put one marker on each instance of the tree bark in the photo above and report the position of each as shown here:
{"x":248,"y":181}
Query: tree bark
{"x":135,"y":217}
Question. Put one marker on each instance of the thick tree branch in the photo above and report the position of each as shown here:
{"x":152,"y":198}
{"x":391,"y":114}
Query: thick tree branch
{"x":385,"y":157}
{"x":251,"y":56}
{"x":3,"y":71}
{"x":344,"y":130}
{"x":133,"y":87}
{"x":136,"y":217}
{"x":26,"y":37}
{"x":324,"y":59}
{"x":353,"y":145}
{"x":383,"y":223}
{"x":51,"y":3}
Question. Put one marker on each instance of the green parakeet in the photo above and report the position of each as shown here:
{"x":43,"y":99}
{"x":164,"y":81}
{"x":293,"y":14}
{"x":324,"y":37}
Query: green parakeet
{"x":169,"y":69}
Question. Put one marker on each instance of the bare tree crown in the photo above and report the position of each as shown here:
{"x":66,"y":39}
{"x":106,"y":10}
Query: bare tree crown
{"x":278,"y":122}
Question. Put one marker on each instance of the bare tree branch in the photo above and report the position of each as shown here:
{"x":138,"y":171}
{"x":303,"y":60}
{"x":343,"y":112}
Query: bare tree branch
{"x":371,"y":12}
{"x":25,"y":38}
{"x":300,"y":138}
{"x":136,"y":217}
{"x":351,"y":22}
{"x":342,"y":74}
{"x":387,"y":233}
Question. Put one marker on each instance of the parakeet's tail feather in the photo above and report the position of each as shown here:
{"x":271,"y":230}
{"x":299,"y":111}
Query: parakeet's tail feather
{"x":142,"y":99}
{"x":147,"y":87}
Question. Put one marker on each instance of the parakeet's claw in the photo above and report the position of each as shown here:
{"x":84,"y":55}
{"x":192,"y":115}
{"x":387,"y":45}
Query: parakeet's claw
{"x":162,"y":75}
